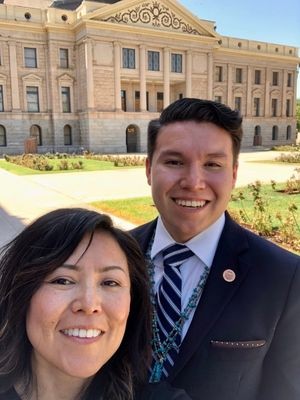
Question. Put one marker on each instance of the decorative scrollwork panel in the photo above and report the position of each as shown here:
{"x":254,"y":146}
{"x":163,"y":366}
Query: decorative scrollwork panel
{"x":155,"y":14}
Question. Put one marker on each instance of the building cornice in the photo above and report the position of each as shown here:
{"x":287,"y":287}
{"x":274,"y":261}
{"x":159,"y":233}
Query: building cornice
{"x":144,"y":31}
{"x":256,"y":55}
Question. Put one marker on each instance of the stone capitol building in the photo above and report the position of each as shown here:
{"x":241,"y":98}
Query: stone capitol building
{"x":90,"y":74}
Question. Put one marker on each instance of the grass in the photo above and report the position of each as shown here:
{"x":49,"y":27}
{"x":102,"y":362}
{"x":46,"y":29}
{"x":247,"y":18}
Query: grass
{"x":137,"y":210}
{"x":141,"y":210}
{"x":274,"y":201}
{"x":89,"y":165}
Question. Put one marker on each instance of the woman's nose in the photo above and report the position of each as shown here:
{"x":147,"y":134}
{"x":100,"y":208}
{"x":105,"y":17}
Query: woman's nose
{"x":88,"y":300}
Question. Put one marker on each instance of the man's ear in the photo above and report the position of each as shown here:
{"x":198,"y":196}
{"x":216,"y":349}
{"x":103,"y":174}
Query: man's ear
{"x":148,"y":170}
{"x":234,"y":174}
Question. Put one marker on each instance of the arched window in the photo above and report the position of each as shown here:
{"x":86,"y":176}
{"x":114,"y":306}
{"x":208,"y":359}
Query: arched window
{"x":257,"y":139}
{"x":275,"y":132}
{"x":288,"y":132}
{"x":257,"y":130}
{"x":35,"y":131}
{"x":132,"y":138}
{"x":2,"y":136}
{"x":67,"y":135}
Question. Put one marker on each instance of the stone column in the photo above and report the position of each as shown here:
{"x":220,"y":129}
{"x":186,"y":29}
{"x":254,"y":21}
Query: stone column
{"x":283,"y":97}
{"x":88,"y":51}
{"x":15,"y":95}
{"x":210,"y":74}
{"x":294,"y":88}
{"x":143,"y":100}
{"x":48,"y":79}
{"x":249,"y":92}
{"x":166,"y":77}
{"x":117,"y":66}
{"x":188,"y":74}
{"x":229,"y":86}
{"x":267,"y":93}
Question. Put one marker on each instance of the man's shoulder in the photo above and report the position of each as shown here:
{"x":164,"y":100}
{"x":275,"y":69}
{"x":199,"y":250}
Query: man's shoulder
{"x":144,"y":230}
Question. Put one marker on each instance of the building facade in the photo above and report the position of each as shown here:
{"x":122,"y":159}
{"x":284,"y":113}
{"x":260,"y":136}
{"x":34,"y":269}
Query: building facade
{"x":91,"y":74}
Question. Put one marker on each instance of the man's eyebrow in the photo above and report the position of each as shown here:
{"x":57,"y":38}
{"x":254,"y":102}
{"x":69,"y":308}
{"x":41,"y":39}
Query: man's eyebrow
{"x":73,"y":267}
{"x":220,"y":154}
{"x":171,"y":153}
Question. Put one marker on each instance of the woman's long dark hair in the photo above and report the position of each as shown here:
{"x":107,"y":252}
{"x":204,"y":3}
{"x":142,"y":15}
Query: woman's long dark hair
{"x":35,"y":253}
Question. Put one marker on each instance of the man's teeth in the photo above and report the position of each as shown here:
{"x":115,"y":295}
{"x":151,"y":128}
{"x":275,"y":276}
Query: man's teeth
{"x":82,"y":333}
{"x":191,"y":203}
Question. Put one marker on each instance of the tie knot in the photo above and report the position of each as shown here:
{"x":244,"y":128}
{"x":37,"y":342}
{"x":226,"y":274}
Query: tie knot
{"x":176,"y":254}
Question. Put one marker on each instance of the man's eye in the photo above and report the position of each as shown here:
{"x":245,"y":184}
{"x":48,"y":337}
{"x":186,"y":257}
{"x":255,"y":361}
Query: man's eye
{"x":62,"y":281}
{"x":213,"y":165}
{"x":173,"y":162}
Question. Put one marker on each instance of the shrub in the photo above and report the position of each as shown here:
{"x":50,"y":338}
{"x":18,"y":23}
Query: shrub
{"x":289,"y":158}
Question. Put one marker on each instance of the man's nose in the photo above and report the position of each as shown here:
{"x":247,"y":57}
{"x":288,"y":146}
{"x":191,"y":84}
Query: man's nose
{"x":193,"y":178}
{"x":88,"y":300}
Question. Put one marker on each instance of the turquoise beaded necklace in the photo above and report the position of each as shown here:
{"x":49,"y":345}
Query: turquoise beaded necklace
{"x":160,"y":349}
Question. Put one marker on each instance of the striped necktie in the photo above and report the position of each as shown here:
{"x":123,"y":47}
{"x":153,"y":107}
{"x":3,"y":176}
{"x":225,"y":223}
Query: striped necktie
{"x":169,"y":300}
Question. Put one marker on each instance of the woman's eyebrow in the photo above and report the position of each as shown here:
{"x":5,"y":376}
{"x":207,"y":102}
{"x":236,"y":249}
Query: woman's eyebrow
{"x":100,"y":269}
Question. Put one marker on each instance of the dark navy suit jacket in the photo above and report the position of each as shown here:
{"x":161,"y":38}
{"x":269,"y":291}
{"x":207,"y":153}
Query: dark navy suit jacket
{"x":244,"y":340}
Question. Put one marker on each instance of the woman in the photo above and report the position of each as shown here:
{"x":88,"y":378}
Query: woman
{"x":75,"y":312}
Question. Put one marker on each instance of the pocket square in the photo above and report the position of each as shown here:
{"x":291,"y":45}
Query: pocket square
{"x":249,"y":344}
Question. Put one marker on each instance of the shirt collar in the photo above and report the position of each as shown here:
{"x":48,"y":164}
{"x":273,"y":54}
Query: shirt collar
{"x":203,"y":245}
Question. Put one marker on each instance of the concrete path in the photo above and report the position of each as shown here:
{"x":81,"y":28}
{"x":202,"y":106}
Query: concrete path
{"x":24,"y":198}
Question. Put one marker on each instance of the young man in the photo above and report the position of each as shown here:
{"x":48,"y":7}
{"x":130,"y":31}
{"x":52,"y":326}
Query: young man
{"x":227,"y":319}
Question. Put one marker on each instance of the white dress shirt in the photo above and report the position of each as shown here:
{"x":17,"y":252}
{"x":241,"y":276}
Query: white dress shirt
{"x":203,"y":245}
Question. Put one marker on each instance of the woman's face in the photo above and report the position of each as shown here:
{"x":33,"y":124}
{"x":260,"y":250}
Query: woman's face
{"x":77,"y":318}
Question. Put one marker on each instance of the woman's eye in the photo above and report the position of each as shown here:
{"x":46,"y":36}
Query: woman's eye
{"x":110,"y":283}
{"x":61,"y":281}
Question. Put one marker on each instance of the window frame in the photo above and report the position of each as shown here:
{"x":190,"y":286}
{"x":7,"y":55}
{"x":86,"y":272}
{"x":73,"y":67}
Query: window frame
{"x":1,"y":98}
{"x":69,"y":135}
{"x":238,"y":103}
{"x":274,"y":107}
{"x":288,"y":107}
{"x":219,"y":73}
{"x":64,"y":57}
{"x":256,"y":106}
{"x":35,"y":93}
{"x":275,"y":78}
{"x":239,"y":75}
{"x":128,"y":58}
{"x":176,"y":63}
{"x":3,"y":135}
{"x":257,"y":77}
{"x":66,"y":96}
{"x":153,"y":64}
{"x":28,"y":59}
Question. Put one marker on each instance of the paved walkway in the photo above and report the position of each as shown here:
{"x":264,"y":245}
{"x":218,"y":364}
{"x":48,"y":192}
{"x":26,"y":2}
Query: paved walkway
{"x":24,"y":198}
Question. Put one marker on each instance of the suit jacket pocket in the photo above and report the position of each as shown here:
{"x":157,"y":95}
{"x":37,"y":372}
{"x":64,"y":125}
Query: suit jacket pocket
{"x":237,"y":350}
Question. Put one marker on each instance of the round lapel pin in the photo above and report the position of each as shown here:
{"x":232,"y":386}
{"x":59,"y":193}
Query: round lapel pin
{"x":229,"y":275}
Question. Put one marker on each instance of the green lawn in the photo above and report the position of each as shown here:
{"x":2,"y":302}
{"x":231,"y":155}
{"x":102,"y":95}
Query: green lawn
{"x":141,"y":210}
{"x":89,"y":165}
{"x":136,"y":210}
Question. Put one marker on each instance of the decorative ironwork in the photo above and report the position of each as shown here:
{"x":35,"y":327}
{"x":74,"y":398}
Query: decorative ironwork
{"x":153,"y":13}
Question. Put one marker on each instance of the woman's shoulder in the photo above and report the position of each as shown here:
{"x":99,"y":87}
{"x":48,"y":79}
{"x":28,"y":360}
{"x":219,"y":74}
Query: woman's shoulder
{"x":161,"y":391}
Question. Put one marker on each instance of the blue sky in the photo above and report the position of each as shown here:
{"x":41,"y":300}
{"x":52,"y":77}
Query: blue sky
{"x":265,"y":20}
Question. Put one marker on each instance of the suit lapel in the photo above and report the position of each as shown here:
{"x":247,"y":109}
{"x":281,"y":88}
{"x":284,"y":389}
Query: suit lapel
{"x":217,"y":292}
{"x":143,"y":234}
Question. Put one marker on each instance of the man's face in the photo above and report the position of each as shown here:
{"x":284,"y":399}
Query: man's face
{"x":191,"y":175}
